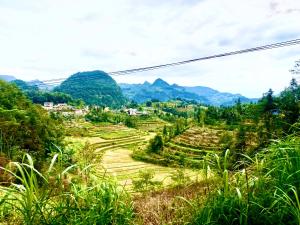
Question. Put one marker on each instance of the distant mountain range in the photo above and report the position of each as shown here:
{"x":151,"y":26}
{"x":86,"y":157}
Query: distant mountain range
{"x":7,"y":78}
{"x":163,"y":91}
{"x":41,"y":85}
{"x":97,"y":87}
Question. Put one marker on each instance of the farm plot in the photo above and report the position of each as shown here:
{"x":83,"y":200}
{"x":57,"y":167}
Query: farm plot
{"x":200,"y":138}
{"x":114,"y":144}
{"x":193,"y":145}
{"x":119,"y":164}
{"x":151,"y":124}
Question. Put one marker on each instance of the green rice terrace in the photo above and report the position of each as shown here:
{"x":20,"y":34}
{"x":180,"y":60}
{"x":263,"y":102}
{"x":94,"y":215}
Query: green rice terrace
{"x":115,"y":144}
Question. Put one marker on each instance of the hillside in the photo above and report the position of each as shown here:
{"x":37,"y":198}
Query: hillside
{"x":163,"y":91}
{"x":94,"y":88}
{"x":160,"y":90}
{"x":218,"y":98}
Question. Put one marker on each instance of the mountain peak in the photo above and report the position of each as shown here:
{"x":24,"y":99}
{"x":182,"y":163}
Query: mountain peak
{"x":94,"y":87}
{"x":146,"y":83}
{"x":160,"y":83}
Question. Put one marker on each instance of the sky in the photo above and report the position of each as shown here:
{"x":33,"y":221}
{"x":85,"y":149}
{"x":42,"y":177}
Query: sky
{"x":47,"y":39}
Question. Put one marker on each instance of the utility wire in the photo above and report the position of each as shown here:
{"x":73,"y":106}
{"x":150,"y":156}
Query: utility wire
{"x":260,"y":48}
{"x":148,"y":68}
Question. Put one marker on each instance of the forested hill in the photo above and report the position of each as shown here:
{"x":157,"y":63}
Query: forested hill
{"x":163,"y":91}
{"x":94,"y":88}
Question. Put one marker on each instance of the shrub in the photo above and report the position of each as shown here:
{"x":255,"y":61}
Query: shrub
{"x":156,"y":145}
{"x":145,"y":182}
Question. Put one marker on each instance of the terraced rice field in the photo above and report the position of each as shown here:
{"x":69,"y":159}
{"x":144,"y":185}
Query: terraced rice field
{"x":191,"y":146}
{"x":151,"y":124}
{"x":117,"y":161}
{"x":115,"y":143}
{"x":120,"y":165}
{"x":203,"y":138}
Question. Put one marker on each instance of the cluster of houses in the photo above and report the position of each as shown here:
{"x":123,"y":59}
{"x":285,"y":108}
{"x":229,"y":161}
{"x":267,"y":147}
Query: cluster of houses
{"x":65,"y":109}
{"x":135,"y":112}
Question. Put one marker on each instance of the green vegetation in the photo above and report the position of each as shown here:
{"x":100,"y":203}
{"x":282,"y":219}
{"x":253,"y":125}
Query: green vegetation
{"x":176,"y":162}
{"x":94,"y":88}
{"x":146,"y":181}
{"x":266,"y":191}
{"x":25,"y":127}
{"x":156,"y":144}
{"x":30,"y":200}
{"x":40,"y":96}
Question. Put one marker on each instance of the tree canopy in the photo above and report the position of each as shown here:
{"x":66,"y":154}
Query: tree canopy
{"x":24,"y":125}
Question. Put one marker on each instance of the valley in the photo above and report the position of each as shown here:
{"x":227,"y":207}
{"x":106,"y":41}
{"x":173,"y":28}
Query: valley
{"x":176,"y":161}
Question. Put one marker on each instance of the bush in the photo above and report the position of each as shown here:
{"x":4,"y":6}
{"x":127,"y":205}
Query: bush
{"x":145,"y":182}
{"x":131,"y":121}
{"x":156,"y":145}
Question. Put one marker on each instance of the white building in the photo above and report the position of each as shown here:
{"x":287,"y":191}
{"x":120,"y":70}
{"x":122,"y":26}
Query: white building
{"x":48,"y":105}
{"x":132,"y":112}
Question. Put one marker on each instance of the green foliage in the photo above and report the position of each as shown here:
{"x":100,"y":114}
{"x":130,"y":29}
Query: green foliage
{"x":146,"y":181}
{"x":131,"y":121}
{"x":180,"y":178}
{"x":99,"y":115}
{"x":39,"y":97}
{"x":156,"y":145}
{"x":268,"y":194}
{"x":94,"y":88}
{"x":49,"y":198}
{"x":25,"y":126}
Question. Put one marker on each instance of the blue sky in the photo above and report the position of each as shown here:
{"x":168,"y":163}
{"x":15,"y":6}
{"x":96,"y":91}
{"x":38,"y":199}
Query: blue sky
{"x":45,"y":39}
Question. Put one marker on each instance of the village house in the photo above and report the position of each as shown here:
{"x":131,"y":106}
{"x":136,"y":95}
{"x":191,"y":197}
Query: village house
{"x":48,"y":105}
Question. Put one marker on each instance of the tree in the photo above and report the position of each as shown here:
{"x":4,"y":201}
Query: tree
{"x":241,"y":139}
{"x":156,"y":144}
{"x":148,"y":103}
{"x":131,"y":121}
{"x":289,"y":104}
{"x":165,"y":132}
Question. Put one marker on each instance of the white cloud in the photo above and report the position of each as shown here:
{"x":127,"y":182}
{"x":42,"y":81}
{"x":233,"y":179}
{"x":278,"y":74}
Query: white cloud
{"x":51,"y":39}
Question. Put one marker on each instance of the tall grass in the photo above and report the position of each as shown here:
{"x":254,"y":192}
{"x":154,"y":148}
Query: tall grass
{"x":36,"y":198}
{"x":266,"y":191}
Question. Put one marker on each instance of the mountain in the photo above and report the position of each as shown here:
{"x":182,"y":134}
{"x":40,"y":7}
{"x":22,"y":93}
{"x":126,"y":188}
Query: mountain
{"x":160,"y":83}
{"x":41,"y":85}
{"x":159,"y":90}
{"x":163,"y":91}
{"x":218,"y":98}
{"x":93,"y":87}
{"x":7,"y":78}
{"x":25,"y":86}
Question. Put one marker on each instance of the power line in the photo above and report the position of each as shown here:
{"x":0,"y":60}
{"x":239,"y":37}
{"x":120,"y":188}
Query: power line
{"x":142,"y":69}
{"x":260,"y":48}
